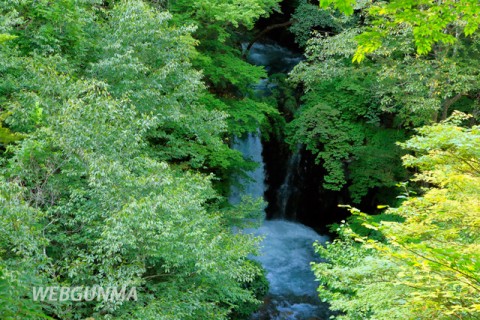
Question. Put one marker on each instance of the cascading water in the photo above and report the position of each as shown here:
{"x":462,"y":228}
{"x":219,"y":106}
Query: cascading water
{"x":286,"y":251}
{"x":251,"y":149}
{"x":275,"y":58}
{"x":288,"y":188}
{"x":286,"y":254}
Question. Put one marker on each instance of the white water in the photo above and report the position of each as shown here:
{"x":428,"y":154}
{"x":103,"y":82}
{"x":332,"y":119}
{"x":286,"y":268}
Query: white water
{"x":275,"y":58}
{"x":251,"y":149}
{"x":288,"y":188}
{"x":287,"y":249}
{"x":286,"y":254}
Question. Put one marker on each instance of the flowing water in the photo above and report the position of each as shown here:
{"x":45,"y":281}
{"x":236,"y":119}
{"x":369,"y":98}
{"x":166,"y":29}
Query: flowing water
{"x":251,"y":148}
{"x":275,"y":58}
{"x":288,"y":188}
{"x":286,"y":254}
{"x":286,"y":251}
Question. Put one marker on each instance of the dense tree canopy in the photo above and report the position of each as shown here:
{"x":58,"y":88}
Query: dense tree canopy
{"x":418,"y":260}
{"x":430,"y":22}
{"x":108,"y":153}
{"x":116,"y":161}
{"x":353,"y":112}
{"x":425,"y":262}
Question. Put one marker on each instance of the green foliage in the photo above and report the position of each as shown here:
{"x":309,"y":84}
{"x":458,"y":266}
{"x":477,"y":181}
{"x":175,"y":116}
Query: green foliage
{"x":352,"y":114}
{"x":415,"y":89}
{"x":310,"y":18}
{"x":57,"y":27}
{"x":377,"y":162}
{"x":247,"y":114}
{"x":425,"y":266}
{"x":339,"y":123}
{"x":235,"y":12}
{"x":345,"y":6}
{"x":456,"y":149}
{"x":354,"y":280}
{"x":322,"y":128}
{"x":21,"y":242}
{"x":225,"y":70}
{"x":6,"y":135}
{"x":4,"y":37}
{"x":416,"y":261}
{"x":259,"y":286}
{"x":229,"y":78}
{"x":105,"y":201}
{"x":109,"y":179}
{"x":430,"y":22}
{"x":161,"y":83}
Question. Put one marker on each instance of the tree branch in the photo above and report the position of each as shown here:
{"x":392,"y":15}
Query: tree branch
{"x":448,"y":103}
{"x":265,"y":31}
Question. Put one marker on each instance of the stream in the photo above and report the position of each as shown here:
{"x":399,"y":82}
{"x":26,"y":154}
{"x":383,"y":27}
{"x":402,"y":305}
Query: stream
{"x":286,"y":251}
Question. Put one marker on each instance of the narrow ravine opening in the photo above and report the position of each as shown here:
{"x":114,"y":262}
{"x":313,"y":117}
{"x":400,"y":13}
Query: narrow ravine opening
{"x":286,"y":251}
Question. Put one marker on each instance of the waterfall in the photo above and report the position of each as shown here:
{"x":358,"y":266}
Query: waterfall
{"x":251,"y":149}
{"x":288,"y":188}
{"x":286,"y":250}
{"x":275,"y":58}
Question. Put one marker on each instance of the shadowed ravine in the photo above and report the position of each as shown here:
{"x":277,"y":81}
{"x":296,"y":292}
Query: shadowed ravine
{"x":286,"y":251}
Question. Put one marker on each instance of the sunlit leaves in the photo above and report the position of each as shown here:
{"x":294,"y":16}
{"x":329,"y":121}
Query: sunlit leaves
{"x":235,"y":12}
{"x":369,"y":42}
{"x":345,"y":6}
{"x":432,"y":22}
{"x":6,"y":37}
{"x":432,"y":253}
{"x":101,"y":97}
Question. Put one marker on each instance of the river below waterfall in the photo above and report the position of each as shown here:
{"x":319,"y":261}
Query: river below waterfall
{"x":286,"y":252}
{"x":287,"y":248}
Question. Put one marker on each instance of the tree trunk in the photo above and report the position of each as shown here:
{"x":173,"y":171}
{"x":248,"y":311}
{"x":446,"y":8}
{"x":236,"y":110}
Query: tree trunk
{"x":448,"y":103}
